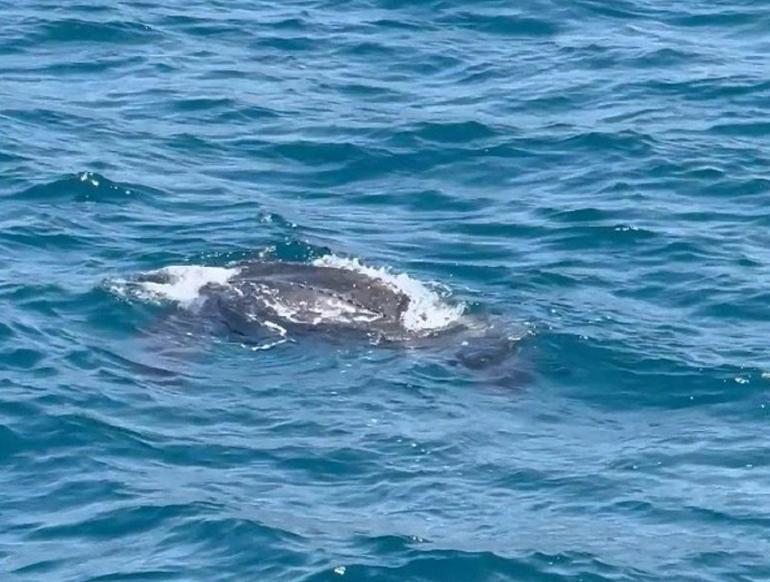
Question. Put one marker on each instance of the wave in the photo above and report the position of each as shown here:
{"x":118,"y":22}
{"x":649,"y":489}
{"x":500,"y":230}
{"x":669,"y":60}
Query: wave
{"x":85,"y":186}
{"x":75,"y":30}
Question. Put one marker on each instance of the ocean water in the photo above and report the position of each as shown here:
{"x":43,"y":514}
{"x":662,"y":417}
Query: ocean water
{"x":591,"y":176}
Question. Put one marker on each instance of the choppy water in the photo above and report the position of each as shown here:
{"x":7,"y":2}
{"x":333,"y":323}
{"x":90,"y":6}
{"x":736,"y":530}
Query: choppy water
{"x":593,"y":171}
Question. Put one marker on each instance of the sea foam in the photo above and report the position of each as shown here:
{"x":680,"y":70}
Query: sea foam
{"x":428,"y":311}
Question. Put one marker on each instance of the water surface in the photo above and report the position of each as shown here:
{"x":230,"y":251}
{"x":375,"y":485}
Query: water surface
{"x":593,"y":172}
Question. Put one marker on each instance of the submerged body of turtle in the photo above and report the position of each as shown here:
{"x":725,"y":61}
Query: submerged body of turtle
{"x":265,"y":303}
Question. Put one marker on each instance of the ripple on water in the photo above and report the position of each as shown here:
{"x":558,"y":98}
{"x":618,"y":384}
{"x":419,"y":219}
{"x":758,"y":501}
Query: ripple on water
{"x":592,"y":173}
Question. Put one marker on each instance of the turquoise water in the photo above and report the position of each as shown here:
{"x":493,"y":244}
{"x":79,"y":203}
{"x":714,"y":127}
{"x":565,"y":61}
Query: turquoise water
{"x":591,"y":175}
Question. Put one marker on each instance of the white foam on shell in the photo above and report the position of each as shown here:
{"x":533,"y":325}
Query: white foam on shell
{"x":182,"y":283}
{"x":427,"y":310}
{"x":321,"y":310}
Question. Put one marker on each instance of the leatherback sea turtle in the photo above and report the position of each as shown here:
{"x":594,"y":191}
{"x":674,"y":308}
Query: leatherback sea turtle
{"x":270,"y":302}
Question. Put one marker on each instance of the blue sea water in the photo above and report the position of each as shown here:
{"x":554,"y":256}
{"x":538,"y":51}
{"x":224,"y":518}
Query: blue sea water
{"x":594,"y":172}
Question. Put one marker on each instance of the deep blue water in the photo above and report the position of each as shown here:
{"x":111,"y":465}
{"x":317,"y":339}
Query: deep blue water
{"x":596,"y":172}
